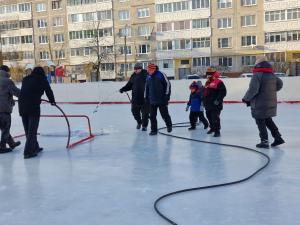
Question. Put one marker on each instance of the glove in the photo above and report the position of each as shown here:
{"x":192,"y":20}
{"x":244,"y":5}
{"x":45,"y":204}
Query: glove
{"x":216,"y":102}
{"x":121,"y":91}
{"x":187,"y":108}
{"x":167,"y":99}
{"x":246,"y":102}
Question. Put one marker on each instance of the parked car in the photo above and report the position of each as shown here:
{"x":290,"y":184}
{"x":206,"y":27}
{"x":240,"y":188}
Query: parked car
{"x":193,"y":77}
{"x":246,"y":75}
{"x":280,"y":74}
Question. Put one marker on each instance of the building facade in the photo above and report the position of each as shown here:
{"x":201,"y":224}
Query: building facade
{"x":182,"y":36}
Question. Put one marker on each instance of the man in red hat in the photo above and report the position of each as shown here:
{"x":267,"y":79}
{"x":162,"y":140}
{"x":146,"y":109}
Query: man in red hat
{"x":158,"y":91}
{"x":214,"y":93}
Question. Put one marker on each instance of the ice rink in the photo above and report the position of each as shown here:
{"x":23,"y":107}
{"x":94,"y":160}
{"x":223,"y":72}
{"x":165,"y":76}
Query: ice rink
{"x":116,"y":178}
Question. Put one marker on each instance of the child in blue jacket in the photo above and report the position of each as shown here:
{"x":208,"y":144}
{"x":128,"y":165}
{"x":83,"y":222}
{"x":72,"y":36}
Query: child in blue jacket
{"x":195,"y":105}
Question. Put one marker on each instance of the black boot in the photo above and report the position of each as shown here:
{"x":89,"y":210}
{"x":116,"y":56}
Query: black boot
{"x":40,"y":150}
{"x":28,"y":156}
{"x":153,"y":133}
{"x":210,"y":131}
{"x":13,"y":145}
{"x":263,"y":144}
{"x":169,"y":129}
{"x":205,"y":126}
{"x":4,"y":149}
{"x":138,"y":126}
{"x":217,"y":134}
{"x":192,"y":128}
{"x":277,"y":141}
{"x":144,"y":129}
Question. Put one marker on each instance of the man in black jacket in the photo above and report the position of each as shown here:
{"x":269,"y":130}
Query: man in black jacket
{"x":136,"y":84}
{"x":158,"y":92}
{"x":33,"y":87}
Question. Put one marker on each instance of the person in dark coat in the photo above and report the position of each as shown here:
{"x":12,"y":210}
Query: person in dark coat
{"x":214,"y":93}
{"x":262,"y":97}
{"x":33,"y":87}
{"x":7,"y":90}
{"x":158,"y":91}
{"x":195,"y":105}
{"x":139,"y":107}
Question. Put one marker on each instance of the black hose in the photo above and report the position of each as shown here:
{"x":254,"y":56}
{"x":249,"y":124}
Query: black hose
{"x":210,"y":186}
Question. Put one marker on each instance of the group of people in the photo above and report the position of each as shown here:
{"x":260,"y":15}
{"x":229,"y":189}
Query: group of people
{"x":151,"y":91}
{"x":34,"y":85}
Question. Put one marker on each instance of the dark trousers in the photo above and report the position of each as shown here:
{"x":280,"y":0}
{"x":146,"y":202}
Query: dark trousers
{"x":194,"y":118}
{"x":5,"y":124}
{"x":141,"y":113}
{"x":164,"y":112}
{"x":31,"y":125}
{"x":263,"y":124}
{"x":213,"y":117}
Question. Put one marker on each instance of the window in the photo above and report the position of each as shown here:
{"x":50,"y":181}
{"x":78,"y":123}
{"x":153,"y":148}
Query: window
{"x":8,"y":9}
{"x":172,"y":7}
{"x":44,"y":55}
{"x":225,"y":61}
{"x":144,"y":49}
{"x":144,"y":31}
{"x":200,"y":4}
{"x":293,"y":14}
{"x":11,"y":40}
{"x":25,"y":24}
{"x":272,"y":16}
{"x":107,"y":67}
{"x":275,"y":37}
{"x":248,"y":20}
{"x":56,"y":5}
{"x":202,"y":61}
{"x":58,"y":21}
{"x":248,"y":41}
{"x":124,"y":15}
{"x":166,"y":64}
{"x":182,"y":44}
{"x":293,"y":36}
{"x":164,"y":45}
{"x":201,"y":23}
{"x":223,"y":4}
{"x":104,"y":15}
{"x":107,"y":49}
{"x":25,"y":7}
{"x":60,"y":54}
{"x":141,"y":13}
{"x":180,"y":6}
{"x":76,"y":52}
{"x":43,"y":39}
{"x":125,"y":31}
{"x":162,"y":27}
{"x":41,"y":7}
{"x":90,"y":16}
{"x":129,"y":67}
{"x":225,"y":42}
{"x":182,"y":25}
{"x":224,"y":23}
{"x":201,"y":42}
{"x":87,"y":51}
{"x":27,"y":55}
{"x":248,"y":2}
{"x":248,"y":60}
{"x":27,"y":39}
{"x":126,"y":50}
{"x":84,"y":2}
{"x":59,"y":38}
{"x":42,"y":23}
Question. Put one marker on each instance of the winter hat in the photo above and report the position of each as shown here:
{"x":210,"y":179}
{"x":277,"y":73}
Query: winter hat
{"x":260,"y":59}
{"x":4,"y":68}
{"x":210,"y":71}
{"x":138,"y":66}
{"x":194,"y":85}
{"x":199,"y":83}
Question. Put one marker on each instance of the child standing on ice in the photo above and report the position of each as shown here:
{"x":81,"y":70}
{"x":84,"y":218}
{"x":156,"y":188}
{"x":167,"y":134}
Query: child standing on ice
{"x":195,"y":105}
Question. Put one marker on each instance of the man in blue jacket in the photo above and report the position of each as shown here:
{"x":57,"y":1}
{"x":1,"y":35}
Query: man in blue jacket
{"x":158,"y":91}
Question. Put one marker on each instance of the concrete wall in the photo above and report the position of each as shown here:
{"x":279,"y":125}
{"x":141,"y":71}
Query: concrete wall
{"x":108,"y":91}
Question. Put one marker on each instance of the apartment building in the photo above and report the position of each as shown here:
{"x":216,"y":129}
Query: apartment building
{"x":50,"y":32}
{"x":91,"y":38}
{"x":183,"y":36}
{"x":16,"y":32}
{"x":134,"y":26}
{"x":282,"y":32}
{"x":237,"y":33}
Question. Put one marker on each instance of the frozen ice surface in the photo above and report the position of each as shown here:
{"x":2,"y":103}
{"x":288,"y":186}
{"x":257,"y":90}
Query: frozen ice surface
{"x":116,"y":178}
